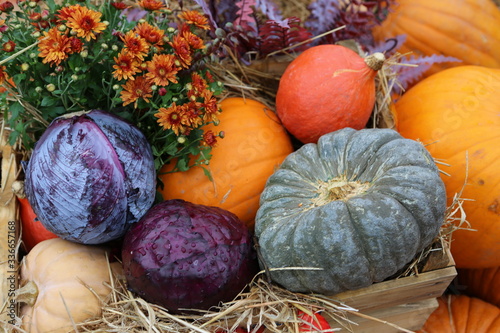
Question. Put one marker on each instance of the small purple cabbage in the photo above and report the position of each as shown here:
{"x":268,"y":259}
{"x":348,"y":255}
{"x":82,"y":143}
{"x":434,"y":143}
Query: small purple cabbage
{"x":185,"y":256}
{"x":90,"y":176}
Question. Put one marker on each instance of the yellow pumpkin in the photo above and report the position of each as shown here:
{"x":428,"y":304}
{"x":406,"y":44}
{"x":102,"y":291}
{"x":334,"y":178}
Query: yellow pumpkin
{"x":254,"y":145}
{"x":456,"y":114}
{"x":468,"y":30}
{"x":56,"y":279}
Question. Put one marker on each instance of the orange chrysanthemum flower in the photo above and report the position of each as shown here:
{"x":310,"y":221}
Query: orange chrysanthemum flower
{"x":86,"y":23}
{"x":135,"y":89}
{"x":193,"y":115}
{"x":54,"y":47}
{"x":126,"y":66}
{"x":195,"y":18}
{"x":194,"y":41}
{"x":162,"y":69}
{"x":209,"y":139}
{"x":66,"y":12}
{"x":151,"y":34}
{"x":196,"y":87}
{"x":182,"y":50}
{"x":210,"y":107}
{"x":172,"y":118}
{"x":152,"y":5}
{"x":76,"y":44}
{"x":136,"y":45}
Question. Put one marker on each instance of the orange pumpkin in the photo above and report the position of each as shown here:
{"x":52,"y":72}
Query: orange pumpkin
{"x":456,"y":114}
{"x":483,"y":283}
{"x":254,"y":144}
{"x":463,"y":314}
{"x":468,"y":30}
{"x":326,"y":88}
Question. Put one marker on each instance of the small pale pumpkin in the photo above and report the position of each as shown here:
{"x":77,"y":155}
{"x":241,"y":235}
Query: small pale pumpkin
{"x":254,"y":144}
{"x":56,"y":280}
{"x":349,"y":211}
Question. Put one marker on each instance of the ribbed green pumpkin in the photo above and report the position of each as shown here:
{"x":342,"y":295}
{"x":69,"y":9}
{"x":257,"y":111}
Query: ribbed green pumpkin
{"x":358,"y":206}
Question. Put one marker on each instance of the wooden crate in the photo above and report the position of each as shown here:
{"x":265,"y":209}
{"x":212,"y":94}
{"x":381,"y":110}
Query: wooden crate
{"x":405,"y":302}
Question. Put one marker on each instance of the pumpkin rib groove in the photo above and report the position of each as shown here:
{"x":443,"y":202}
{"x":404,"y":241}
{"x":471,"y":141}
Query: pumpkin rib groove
{"x":441,"y":42}
{"x":457,"y":21}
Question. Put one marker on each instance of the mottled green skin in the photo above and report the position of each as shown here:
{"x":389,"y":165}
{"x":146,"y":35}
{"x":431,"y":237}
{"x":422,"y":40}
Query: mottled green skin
{"x":362,"y":240}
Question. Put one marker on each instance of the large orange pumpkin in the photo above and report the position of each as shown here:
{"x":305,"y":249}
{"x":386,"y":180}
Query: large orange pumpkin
{"x":465,"y":29}
{"x":456,"y":113}
{"x":483,"y":283}
{"x":463,"y":314}
{"x":254,"y":144}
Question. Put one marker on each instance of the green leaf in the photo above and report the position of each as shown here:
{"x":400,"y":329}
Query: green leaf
{"x":207,"y":173}
{"x":15,"y":110}
{"x":48,"y":101}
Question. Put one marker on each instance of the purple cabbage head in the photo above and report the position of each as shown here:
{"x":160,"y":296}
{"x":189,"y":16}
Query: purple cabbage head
{"x":185,"y":256}
{"x":90,"y":176}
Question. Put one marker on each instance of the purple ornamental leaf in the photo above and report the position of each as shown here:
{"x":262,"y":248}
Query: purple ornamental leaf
{"x":323,"y":15}
{"x":408,"y":75}
{"x":245,"y":14}
{"x":269,"y":9}
{"x":389,"y":46}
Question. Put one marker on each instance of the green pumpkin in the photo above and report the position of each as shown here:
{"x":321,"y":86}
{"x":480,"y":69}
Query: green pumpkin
{"x":357,"y":207}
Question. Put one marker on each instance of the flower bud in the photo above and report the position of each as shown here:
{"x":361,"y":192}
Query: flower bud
{"x":74,"y":77}
{"x":50,"y":87}
{"x":25,"y":67}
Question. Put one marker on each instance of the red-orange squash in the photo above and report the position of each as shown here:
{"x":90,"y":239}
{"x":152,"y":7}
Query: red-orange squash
{"x":463,"y":314}
{"x":483,"y":283}
{"x":468,"y":30}
{"x":254,"y":145}
{"x":326,"y":88}
{"x":33,"y":231}
{"x":456,"y":113}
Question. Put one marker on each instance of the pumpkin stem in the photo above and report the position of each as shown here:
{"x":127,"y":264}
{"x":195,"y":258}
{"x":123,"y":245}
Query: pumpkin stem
{"x":338,"y":189}
{"x":27,"y":293}
{"x":375,"y":61}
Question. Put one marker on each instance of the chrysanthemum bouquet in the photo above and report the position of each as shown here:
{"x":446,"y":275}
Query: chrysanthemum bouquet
{"x":140,"y":60}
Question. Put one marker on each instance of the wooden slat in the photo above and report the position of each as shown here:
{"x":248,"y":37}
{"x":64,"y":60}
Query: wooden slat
{"x":9,"y":233}
{"x":430,"y":284}
{"x":410,"y":316}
